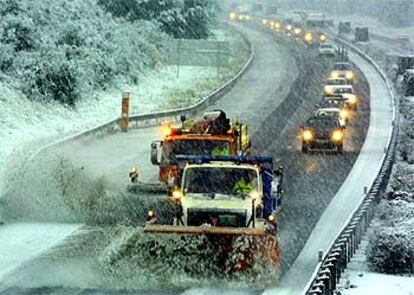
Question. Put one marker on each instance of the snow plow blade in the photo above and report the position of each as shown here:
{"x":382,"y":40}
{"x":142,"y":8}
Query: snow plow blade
{"x":149,"y":188}
{"x":204,"y":230}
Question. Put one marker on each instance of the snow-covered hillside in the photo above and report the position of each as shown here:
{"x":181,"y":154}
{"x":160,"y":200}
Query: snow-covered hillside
{"x":31,"y":110}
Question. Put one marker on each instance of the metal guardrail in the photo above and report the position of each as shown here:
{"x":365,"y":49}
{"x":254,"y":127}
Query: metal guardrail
{"x":174,"y":114}
{"x":334,"y":262}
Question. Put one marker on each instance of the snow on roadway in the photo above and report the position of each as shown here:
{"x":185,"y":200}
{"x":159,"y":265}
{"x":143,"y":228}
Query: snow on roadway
{"x":21,"y":242}
{"x":264,"y":81}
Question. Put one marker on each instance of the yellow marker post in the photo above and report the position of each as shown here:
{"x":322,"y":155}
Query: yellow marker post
{"x":125,"y":111}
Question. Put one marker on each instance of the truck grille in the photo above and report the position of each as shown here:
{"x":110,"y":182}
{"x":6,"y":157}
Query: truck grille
{"x":217,"y":217}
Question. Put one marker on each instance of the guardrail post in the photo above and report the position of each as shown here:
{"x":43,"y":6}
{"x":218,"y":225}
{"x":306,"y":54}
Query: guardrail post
{"x":348,"y":234}
{"x":341,"y":248}
{"x":345,"y":240}
{"x":315,"y":291}
{"x":330,"y":280}
{"x":321,"y":286}
{"x":324,"y":279}
{"x":125,"y":111}
{"x":330,"y":267}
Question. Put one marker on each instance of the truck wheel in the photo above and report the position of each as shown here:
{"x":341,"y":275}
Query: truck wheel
{"x":340,"y":148}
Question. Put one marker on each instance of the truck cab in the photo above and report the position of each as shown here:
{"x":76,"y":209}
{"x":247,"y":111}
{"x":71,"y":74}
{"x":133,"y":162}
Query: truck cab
{"x":212,"y":135}
{"x":235,"y":192}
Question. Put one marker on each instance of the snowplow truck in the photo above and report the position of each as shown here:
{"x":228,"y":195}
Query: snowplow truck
{"x":213,"y":135}
{"x":232,"y":200}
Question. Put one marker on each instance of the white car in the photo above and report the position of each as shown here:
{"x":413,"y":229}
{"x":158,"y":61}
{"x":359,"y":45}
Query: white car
{"x":340,"y":115}
{"x":331,"y":83}
{"x":327,"y":49}
{"x":348,"y":93}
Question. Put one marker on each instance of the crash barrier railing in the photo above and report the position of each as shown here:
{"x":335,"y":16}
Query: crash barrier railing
{"x":157,"y":117}
{"x":328,"y":272}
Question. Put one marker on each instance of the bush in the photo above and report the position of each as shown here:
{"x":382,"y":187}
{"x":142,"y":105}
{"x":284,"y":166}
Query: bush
{"x":178,"y":18}
{"x":391,"y":251}
{"x":62,"y":50}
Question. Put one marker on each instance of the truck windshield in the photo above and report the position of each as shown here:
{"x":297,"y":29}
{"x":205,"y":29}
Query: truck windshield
{"x":211,"y":181}
{"x":195,"y":147}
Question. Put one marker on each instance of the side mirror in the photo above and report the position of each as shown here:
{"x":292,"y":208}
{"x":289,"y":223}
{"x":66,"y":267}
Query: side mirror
{"x":155,"y":154}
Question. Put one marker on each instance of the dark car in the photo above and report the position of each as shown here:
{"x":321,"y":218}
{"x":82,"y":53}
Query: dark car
{"x":322,"y":132}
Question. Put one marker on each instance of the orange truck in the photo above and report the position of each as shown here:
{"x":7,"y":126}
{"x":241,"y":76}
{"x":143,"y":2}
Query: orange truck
{"x":213,"y":134}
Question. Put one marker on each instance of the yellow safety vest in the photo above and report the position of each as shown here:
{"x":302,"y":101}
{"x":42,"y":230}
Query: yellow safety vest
{"x":241,"y":187}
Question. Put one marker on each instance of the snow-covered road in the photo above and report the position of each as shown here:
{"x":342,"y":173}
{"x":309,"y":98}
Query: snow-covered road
{"x":260,"y":100}
{"x":260,"y":91}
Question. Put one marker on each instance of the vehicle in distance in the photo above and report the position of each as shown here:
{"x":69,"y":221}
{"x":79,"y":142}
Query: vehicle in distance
{"x":338,"y":114}
{"x":330,"y":84}
{"x":322,"y":132}
{"x":327,"y":49}
{"x":348,"y":94}
{"x":337,"y":102}
{"x":343,"y":70}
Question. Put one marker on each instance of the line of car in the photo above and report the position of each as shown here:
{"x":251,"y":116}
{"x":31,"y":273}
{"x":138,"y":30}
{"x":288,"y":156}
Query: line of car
{"x":325,"y":129}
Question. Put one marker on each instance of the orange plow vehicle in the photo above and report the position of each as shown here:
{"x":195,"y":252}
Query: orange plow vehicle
{"x":211,"y":135}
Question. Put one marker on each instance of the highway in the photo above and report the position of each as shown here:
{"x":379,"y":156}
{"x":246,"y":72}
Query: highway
{"x":274,"y":97}
{"x":257,"y":94}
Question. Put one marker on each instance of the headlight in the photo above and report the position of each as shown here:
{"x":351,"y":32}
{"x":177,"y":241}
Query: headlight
{"x":232,"y":15}
{"x":344,"y":114}
{"x":323,"y":38}
{"x":289,"y":27}
{"x":353,"y":99}
{"x":307,"y":135}
{"x":334,"y":75}
{"x":297,"y":31}
{"x":277,"y":25}
{"x":349,"y":75}
{"x":248,"y":17}
{"x":264,"y":22}
{"x":177,"y":195}
{"x":328,"y":89}
{"x":308,"y":37}
{"x":337,"y":135}
{"x":241,"y":17}
{"x":165,"y":131}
